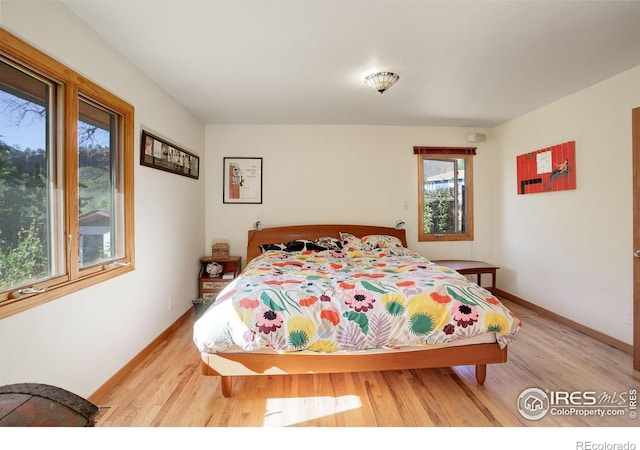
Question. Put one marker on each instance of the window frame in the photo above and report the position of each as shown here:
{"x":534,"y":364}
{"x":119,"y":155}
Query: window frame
{"x":72,"y":87}
{"x":436,"y":153}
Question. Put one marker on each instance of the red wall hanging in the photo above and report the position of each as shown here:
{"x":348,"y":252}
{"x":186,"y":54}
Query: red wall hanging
{"x":547,"y":169}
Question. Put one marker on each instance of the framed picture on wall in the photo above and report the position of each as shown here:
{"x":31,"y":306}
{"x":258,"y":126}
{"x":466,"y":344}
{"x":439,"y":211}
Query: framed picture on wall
{"x":242,"y":180}
{"x":548,"y":169}
{"x":163,"y":155}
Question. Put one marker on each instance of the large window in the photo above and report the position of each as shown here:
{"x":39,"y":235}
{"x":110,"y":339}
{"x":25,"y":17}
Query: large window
{"x":445,"y":180}
{"x":66,"y":180}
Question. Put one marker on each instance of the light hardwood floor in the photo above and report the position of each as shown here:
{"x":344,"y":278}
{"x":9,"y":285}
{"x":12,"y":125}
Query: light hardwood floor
{"x":168,"y":390}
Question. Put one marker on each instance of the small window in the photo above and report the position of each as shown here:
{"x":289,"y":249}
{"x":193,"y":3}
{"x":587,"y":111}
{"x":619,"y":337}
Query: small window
{"x":445,"y":179}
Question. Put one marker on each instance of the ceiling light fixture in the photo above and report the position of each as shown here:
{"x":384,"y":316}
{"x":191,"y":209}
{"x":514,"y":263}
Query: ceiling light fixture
{"x":381,"y":81}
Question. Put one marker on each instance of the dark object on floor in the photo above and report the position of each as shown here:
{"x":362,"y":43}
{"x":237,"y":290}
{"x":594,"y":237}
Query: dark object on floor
{"x":201,"y":305}
{"x":41,"y":405}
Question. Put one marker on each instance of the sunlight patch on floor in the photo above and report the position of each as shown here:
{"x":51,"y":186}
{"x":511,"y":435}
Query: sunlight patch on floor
{"x":283,"y":412}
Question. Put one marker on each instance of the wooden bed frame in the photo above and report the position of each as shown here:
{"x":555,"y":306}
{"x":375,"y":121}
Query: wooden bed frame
{"x":228,"y":365}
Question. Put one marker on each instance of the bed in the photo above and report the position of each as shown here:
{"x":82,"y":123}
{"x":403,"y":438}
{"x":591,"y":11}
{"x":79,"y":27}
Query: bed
{"x":347,"y":298}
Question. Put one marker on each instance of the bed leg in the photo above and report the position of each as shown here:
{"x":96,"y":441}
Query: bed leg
{"x":226,"y":383}
{"x":481,"y":373}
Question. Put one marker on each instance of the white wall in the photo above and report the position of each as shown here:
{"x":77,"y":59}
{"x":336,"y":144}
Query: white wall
{"x":571,"y":251}
{"x":78,"y":342}
{"x":340,"y":174}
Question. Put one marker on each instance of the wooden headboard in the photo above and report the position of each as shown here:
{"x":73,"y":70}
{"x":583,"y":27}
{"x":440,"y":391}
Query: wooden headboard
{"x":277,"y":235}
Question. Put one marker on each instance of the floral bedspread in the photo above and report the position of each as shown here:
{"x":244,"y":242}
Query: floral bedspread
{"x":328,"y":301}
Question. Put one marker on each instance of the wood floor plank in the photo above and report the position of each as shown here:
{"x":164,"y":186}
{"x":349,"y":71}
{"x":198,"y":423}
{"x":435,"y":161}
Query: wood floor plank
{"x":167,"y":389}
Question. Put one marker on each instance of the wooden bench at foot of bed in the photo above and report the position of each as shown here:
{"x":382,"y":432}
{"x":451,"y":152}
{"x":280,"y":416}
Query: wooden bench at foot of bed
{"x":228,"y":365}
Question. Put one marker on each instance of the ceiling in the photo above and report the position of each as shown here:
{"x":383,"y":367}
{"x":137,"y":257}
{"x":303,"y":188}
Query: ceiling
{"x":461,"y":63}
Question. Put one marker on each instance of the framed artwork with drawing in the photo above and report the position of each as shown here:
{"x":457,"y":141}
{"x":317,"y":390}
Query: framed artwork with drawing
{"x":242,"y":180}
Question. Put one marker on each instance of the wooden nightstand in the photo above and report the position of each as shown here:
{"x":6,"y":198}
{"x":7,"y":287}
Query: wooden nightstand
{"x":466,"y":267}
{"x":211,"y":287}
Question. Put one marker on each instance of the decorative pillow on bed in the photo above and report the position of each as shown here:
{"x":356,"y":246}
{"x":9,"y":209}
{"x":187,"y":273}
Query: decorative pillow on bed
{"x":265,"y":247}
{"x":352,"y":243}
{"x":382,"y":241}
{"x":330,"y":243}
{"x":301,"y":245}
